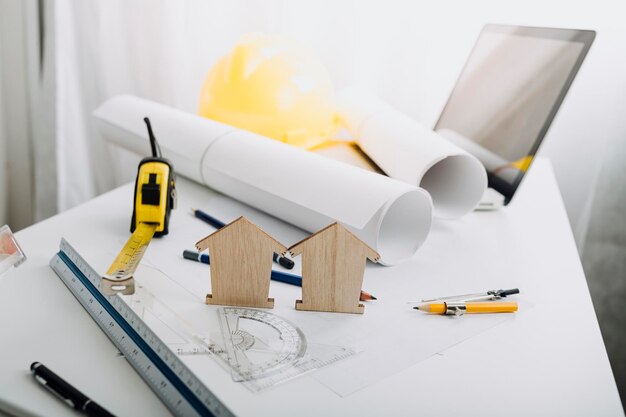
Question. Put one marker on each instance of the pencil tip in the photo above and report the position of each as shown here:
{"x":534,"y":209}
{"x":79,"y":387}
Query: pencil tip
{"x":417,"y":308}
{"x":193,"y":210}
{"x":373,"y":298}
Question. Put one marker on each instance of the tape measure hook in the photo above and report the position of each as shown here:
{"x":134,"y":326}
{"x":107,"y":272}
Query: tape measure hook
{"x":110,"y":286}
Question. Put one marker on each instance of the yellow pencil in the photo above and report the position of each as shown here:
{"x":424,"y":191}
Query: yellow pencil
{"x":463,"y":307}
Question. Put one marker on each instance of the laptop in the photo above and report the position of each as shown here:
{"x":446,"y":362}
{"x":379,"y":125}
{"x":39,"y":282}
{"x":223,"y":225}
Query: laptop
{"x":506,"y":97}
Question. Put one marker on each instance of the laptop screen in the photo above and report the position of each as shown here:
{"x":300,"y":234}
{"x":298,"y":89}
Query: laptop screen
{"x":508,"y":94}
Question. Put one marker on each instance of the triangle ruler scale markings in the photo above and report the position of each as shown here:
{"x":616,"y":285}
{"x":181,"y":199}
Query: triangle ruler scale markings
{"x":259,"y":343}
{"x":258,"y":348}
{"x":263,"y":349}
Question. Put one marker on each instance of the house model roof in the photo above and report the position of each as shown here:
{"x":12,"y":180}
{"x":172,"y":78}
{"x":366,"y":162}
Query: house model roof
{"x":371,"y":253}
{"x":243,"y":221}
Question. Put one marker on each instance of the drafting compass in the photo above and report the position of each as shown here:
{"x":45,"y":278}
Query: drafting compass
{"x":458,"y":305}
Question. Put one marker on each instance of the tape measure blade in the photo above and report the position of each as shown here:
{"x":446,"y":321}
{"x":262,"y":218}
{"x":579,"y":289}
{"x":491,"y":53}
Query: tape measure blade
{"x":119,"y":276}
{"x":128,"y":259}
{"x":179,"y":389}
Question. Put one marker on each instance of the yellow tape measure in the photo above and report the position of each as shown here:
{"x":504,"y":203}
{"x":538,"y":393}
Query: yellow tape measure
{"x":155,"y":197}
{"x":119,"y":277}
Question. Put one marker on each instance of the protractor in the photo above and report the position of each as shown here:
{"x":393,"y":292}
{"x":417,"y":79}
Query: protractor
{"x":259,"y":344}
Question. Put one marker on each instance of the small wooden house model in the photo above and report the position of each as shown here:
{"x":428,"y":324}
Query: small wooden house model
{"x":241,"y":264}
{"x":333,"y":264}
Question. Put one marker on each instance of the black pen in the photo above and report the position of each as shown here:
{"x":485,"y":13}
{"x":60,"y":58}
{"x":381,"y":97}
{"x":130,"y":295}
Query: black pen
{"x":70,"y":395}
{"x":218,"y":224}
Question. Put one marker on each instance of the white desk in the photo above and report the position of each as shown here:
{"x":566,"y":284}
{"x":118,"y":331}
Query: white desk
{"x":549,"y":360}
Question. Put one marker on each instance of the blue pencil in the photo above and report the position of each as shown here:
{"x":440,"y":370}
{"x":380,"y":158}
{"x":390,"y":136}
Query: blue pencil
{"x":276,"y":275}
{"x":218,"y":224}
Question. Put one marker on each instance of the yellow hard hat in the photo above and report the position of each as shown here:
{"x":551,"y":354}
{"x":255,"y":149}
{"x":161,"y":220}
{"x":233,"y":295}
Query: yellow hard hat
{"x":271,"y":86}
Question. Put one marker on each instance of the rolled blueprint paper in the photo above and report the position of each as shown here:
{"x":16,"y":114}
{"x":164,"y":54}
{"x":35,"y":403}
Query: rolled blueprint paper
{"x":491,"y":161}
{"x":409,"y":152}
{"x":297,"y":186}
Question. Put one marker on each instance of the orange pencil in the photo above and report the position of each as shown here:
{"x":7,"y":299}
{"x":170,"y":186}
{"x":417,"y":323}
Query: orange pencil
{"x":365,"y":296}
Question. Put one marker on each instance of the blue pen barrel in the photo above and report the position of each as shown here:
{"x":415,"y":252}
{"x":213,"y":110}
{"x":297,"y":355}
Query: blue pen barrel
{"x":276,"y":275}
{"x":287,"y":278}
{"x":195,"y":256}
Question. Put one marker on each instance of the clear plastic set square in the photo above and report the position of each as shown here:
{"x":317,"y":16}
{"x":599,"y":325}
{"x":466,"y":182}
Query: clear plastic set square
{"x":258,"y":348}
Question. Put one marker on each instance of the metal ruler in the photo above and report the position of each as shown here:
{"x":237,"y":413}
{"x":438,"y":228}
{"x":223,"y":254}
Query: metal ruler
{"x":179,"y":389}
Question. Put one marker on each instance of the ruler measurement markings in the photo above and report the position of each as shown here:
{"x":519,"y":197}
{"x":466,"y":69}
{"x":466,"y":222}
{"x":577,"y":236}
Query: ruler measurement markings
{"x":126,"y":349}
{"x":160,"y":377}
{"x":114,"y":334}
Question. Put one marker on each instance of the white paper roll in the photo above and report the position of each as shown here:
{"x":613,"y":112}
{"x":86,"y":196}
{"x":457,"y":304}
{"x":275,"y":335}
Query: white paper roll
{"x":302,"y":188}
{"x":409,"y":152}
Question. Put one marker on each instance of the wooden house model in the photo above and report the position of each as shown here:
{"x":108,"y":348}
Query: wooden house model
{"x":241,"y":264}
{"x":333,"y":264}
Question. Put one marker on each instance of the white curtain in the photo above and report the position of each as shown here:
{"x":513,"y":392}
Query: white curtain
{"x":28,"y":188}
{"x":3,"y":158}
{"x":407,"y":52}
